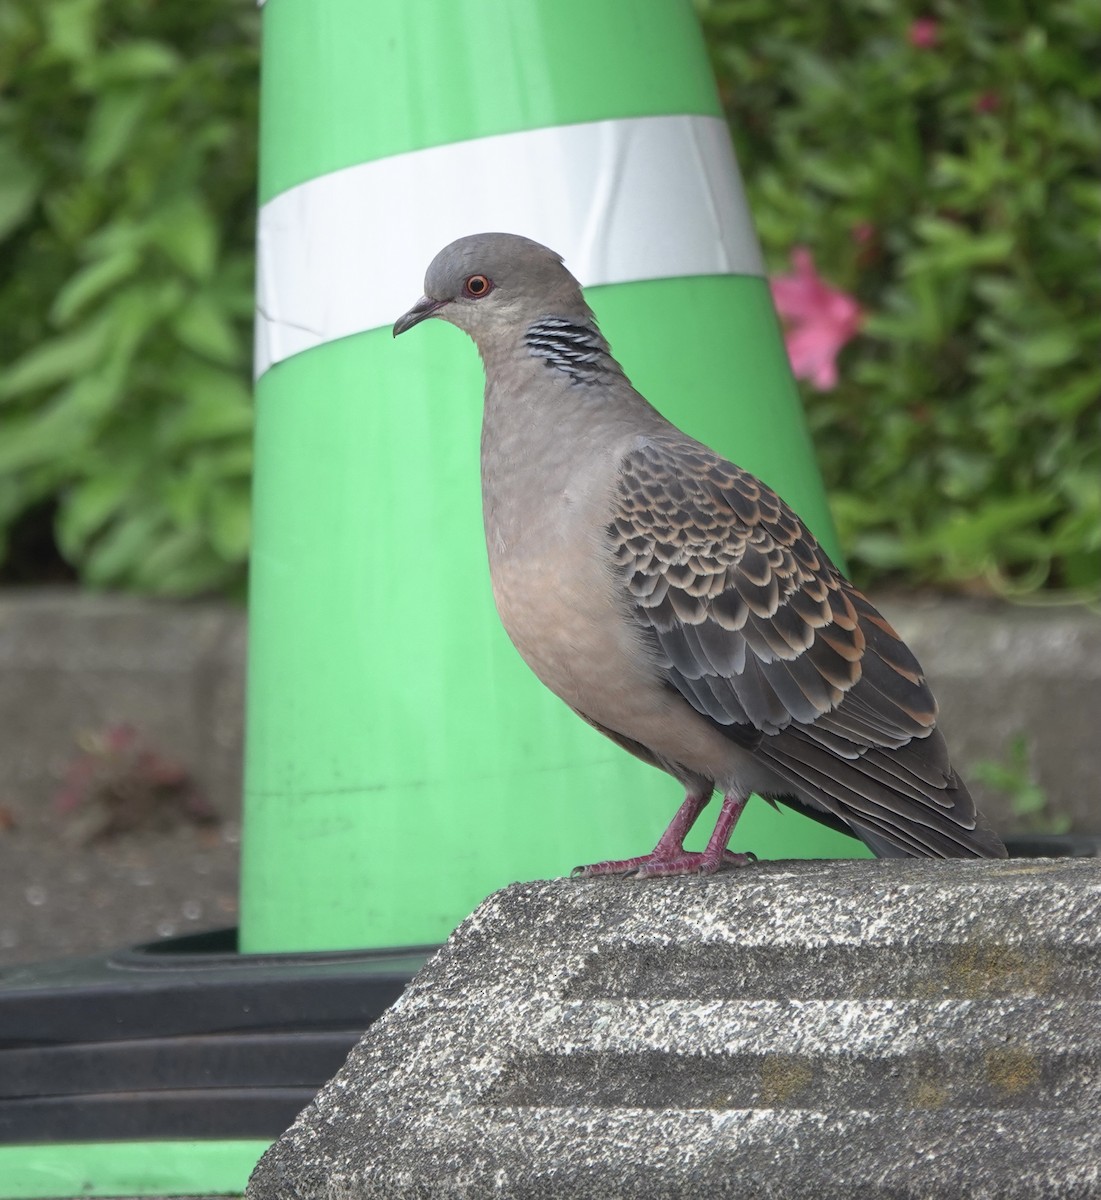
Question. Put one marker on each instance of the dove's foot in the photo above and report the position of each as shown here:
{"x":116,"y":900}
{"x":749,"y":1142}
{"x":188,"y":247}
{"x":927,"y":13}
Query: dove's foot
{"x":650,"y":866}
{"x":669,"y":856}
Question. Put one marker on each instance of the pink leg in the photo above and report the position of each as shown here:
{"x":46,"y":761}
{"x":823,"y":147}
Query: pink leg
{"x":669,"y":856}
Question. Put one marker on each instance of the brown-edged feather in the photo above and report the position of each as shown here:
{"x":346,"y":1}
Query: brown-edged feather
{"x":758,"y":630}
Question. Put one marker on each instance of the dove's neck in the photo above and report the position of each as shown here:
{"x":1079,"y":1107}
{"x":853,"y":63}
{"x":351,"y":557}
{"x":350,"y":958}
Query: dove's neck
{"x":559,"y":414}
{"x":573,"y":348}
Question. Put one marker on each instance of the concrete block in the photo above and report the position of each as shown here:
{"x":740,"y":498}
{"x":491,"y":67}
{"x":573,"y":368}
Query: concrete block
{"x":1002,"y":671}
{"x":859,"y":1029}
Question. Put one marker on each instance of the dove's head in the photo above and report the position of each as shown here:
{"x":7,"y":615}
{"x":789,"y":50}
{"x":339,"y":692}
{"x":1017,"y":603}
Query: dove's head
{"x":495,"y":284}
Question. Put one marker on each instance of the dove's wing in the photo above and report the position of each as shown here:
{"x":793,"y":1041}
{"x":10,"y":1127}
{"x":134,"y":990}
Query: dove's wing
{"x":761,"y":634}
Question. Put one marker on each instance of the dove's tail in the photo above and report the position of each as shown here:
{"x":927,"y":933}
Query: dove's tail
{"x":895,"y":816}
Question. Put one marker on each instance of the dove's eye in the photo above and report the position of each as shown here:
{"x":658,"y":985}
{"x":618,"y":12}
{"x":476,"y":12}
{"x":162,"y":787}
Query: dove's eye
{"x":477,"y":286}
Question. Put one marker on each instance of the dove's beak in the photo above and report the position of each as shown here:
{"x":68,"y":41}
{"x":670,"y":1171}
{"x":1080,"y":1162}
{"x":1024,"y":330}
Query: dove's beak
{"x":424,"y":307}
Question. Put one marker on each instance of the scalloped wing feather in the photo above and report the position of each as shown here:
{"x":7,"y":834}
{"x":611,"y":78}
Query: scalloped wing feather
{"x":758,"y":631}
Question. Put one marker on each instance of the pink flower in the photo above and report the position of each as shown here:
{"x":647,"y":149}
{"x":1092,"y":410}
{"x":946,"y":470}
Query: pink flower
{"x":923,"y":34}
{"x":818,"y":320}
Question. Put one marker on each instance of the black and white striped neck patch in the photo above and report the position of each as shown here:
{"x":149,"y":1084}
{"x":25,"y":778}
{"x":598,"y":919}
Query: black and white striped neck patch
{"x":578,"y":350}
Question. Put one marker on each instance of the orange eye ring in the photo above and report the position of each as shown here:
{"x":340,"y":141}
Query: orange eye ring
{"x":477,"y":286}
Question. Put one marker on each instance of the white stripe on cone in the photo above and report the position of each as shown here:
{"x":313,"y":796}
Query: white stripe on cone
{"x":644,"y":198}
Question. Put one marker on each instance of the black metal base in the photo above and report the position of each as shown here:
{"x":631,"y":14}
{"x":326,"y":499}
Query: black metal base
{"x":183,"y":1038}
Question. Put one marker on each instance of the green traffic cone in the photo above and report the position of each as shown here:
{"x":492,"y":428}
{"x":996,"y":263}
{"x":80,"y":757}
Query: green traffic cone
{"x":401,"y":762}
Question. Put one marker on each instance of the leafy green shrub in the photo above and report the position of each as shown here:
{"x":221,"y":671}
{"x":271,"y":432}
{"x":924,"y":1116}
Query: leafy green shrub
{"x":127,"y":183}
{"x":941,"y":165}
{"x":1015,"y":778}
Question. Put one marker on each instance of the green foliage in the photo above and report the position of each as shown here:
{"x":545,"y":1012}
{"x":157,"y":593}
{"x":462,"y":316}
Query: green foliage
{"x":1014,"y":778}
{"x":127,"y":182}
{"x":953,"y":189}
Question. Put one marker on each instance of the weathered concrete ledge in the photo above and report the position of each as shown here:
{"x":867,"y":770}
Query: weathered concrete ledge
{"x":795,"y":1030}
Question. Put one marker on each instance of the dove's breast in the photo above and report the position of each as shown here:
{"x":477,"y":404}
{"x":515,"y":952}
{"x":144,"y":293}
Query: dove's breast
{"x":563,"y":606}
{"x":559,"y":620}
{"x":550,"y":469}
{"x":546,"y":507}
{"x":552,"y":582}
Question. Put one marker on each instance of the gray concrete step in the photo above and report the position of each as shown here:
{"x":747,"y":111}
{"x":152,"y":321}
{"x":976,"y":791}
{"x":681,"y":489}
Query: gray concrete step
{"x":871,"y":1029}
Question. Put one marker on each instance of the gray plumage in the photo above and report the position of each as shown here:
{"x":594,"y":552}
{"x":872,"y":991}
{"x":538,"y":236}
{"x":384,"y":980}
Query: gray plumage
{"x":672,"y":599}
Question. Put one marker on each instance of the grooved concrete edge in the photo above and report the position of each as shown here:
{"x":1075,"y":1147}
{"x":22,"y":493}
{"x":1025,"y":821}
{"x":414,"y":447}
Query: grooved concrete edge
{"x":533,"y":1055}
